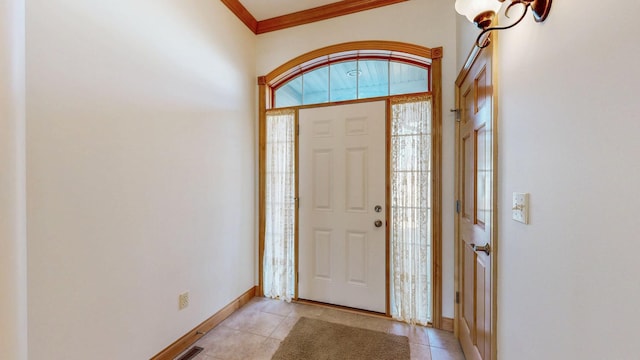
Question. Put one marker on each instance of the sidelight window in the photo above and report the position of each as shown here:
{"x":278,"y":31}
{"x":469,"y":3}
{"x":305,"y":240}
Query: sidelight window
{"x":411,"y":209}
{"x":279,"y":255}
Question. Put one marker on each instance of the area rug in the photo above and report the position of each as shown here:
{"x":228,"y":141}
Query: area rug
{"x":312,"y":339}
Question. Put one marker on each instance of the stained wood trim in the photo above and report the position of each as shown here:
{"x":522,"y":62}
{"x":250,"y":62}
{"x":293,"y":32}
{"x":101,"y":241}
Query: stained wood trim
{"x":447,"y":324}
{"x":296,"y":236}
{"x":180,"y":345}
{"x":474,"y":54}
{"x":388,"y":207}
{"x":464,"y":72}
{"x":471,"y":59}
{"x":436,"y":75}
{"x":456,"y":219}
{"x":242,"y":13}
{"x":262,"y":157}
{"x":348,"y":102}
{"x":495,"y":243}
{"x":352,"y":46}
{"x":324,"y":12}
{"x":435,"y":54}
{"x":320,"y":13}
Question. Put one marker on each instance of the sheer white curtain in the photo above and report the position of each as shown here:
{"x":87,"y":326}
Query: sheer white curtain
{"x":278,"y":265}
{"x":411,"y":224}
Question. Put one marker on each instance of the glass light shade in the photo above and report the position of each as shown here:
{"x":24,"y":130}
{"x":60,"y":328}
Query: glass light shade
{"x":472,"y":8}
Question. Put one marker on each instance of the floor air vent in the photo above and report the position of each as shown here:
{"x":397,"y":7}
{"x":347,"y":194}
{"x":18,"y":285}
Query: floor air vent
{"x":191,"y":353}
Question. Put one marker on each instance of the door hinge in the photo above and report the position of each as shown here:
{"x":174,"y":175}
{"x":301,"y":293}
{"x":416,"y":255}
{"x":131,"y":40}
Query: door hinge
{"x":298,"y":203}
{"x":457,"y":111}
{"x":457,"y":206}
{"x":457,"y":297}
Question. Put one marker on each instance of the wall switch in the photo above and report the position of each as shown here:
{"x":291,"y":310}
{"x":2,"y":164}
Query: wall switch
{"x":520,"y":208}
{"x":183,"y":300}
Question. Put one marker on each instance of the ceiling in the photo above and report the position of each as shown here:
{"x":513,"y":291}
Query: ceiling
{"x":262,"y":16}
{"x":266,"y":9}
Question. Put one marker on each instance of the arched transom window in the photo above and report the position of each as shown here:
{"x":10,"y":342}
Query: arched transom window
{"x":352,"y":75}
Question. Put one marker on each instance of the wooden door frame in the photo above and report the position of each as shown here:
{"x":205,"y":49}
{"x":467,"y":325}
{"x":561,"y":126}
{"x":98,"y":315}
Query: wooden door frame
{"x":491,"y":52}
{"x":264,"y":103}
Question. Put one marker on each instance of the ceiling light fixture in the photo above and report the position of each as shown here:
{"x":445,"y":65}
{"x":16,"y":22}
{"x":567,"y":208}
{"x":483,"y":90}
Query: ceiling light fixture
{"x":354,"y":72}
{"x":482,"y":13}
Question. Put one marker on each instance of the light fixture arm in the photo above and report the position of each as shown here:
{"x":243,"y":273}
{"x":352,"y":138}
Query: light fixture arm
{"x":484,"y":43}
{"x":539,"y":8}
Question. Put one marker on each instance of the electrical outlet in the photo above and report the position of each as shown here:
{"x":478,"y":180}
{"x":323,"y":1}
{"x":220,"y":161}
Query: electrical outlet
{"x":183,"y":300}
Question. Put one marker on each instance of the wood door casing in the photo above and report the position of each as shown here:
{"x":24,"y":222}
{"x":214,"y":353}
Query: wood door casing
{"x":265,"y":101}
{"x":476,"y":145}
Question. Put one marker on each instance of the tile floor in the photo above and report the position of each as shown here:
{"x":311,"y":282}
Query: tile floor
{"x":255,"y":331}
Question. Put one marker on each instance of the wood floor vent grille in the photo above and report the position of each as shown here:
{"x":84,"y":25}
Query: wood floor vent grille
{"x":191,"y":353}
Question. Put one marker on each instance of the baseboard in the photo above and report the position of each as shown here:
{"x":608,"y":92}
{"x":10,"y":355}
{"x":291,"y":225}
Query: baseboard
{"x":180,"y":345}
{"x":447,"y":324}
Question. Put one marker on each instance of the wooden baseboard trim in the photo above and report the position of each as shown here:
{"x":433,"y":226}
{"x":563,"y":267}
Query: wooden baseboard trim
{"x":180,"y":345}
{"x":447,"y":324}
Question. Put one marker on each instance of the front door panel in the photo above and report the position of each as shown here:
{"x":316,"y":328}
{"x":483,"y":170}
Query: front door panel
{"x":342,"y":179}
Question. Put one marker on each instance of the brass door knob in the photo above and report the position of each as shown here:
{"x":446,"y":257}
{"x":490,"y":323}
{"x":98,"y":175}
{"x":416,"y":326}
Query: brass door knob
{"x":486,"y":248}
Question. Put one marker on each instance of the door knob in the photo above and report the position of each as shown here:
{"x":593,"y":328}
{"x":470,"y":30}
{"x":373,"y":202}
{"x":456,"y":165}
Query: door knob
{"x":378,"y":223}
{"x":486,"y":248}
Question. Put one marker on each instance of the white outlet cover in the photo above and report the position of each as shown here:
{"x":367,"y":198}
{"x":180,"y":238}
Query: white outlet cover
{"x":183,"y":300}
{"x":520,"y":208}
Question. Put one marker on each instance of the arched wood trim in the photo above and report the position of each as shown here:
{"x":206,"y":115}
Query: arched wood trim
{"x":393,"y":46}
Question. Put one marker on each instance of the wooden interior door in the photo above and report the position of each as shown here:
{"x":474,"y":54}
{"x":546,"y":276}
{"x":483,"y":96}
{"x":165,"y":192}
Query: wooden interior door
{"x":476,"y":182}
{"x":342,"y":246}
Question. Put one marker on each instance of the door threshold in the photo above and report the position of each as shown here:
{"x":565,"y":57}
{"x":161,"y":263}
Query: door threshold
{"x":370,"y":313}
{"x":343,"y":308}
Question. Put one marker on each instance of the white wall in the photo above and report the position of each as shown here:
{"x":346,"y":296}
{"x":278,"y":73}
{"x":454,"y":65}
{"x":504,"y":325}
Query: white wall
{"x":426,"y":23}
{"x":13,"y":244}
{"x":466,"y":35}
{"x":140,"y":172}
{"x":569,"y":126}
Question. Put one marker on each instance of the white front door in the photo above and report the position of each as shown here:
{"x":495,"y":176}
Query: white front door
{"x":342,"y":251}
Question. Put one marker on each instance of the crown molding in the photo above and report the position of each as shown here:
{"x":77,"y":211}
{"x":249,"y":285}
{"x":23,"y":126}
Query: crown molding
{"x":242,"y":13}
{"x":324,"y":12}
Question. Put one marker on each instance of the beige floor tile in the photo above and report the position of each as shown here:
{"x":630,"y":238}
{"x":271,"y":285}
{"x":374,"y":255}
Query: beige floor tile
{"x":266,"y":350}
{"x":228,"y":344}
{"x":446,"y":354}
{"x":340,"y":317}
{"x":277,"y":307}
{"x":257,"y":303}
{"x":252,"y":321}
{"x":443,"y":339}
{"x":310,"y":311}
{"x":374,"y":323}
{"x":283,"y":329}
{"x":255,"y":332}
{"x":416,"y":334}
{"x":420,"y":352}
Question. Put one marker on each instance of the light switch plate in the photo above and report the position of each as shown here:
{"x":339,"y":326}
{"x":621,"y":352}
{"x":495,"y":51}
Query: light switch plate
{"x":520,"y":208}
